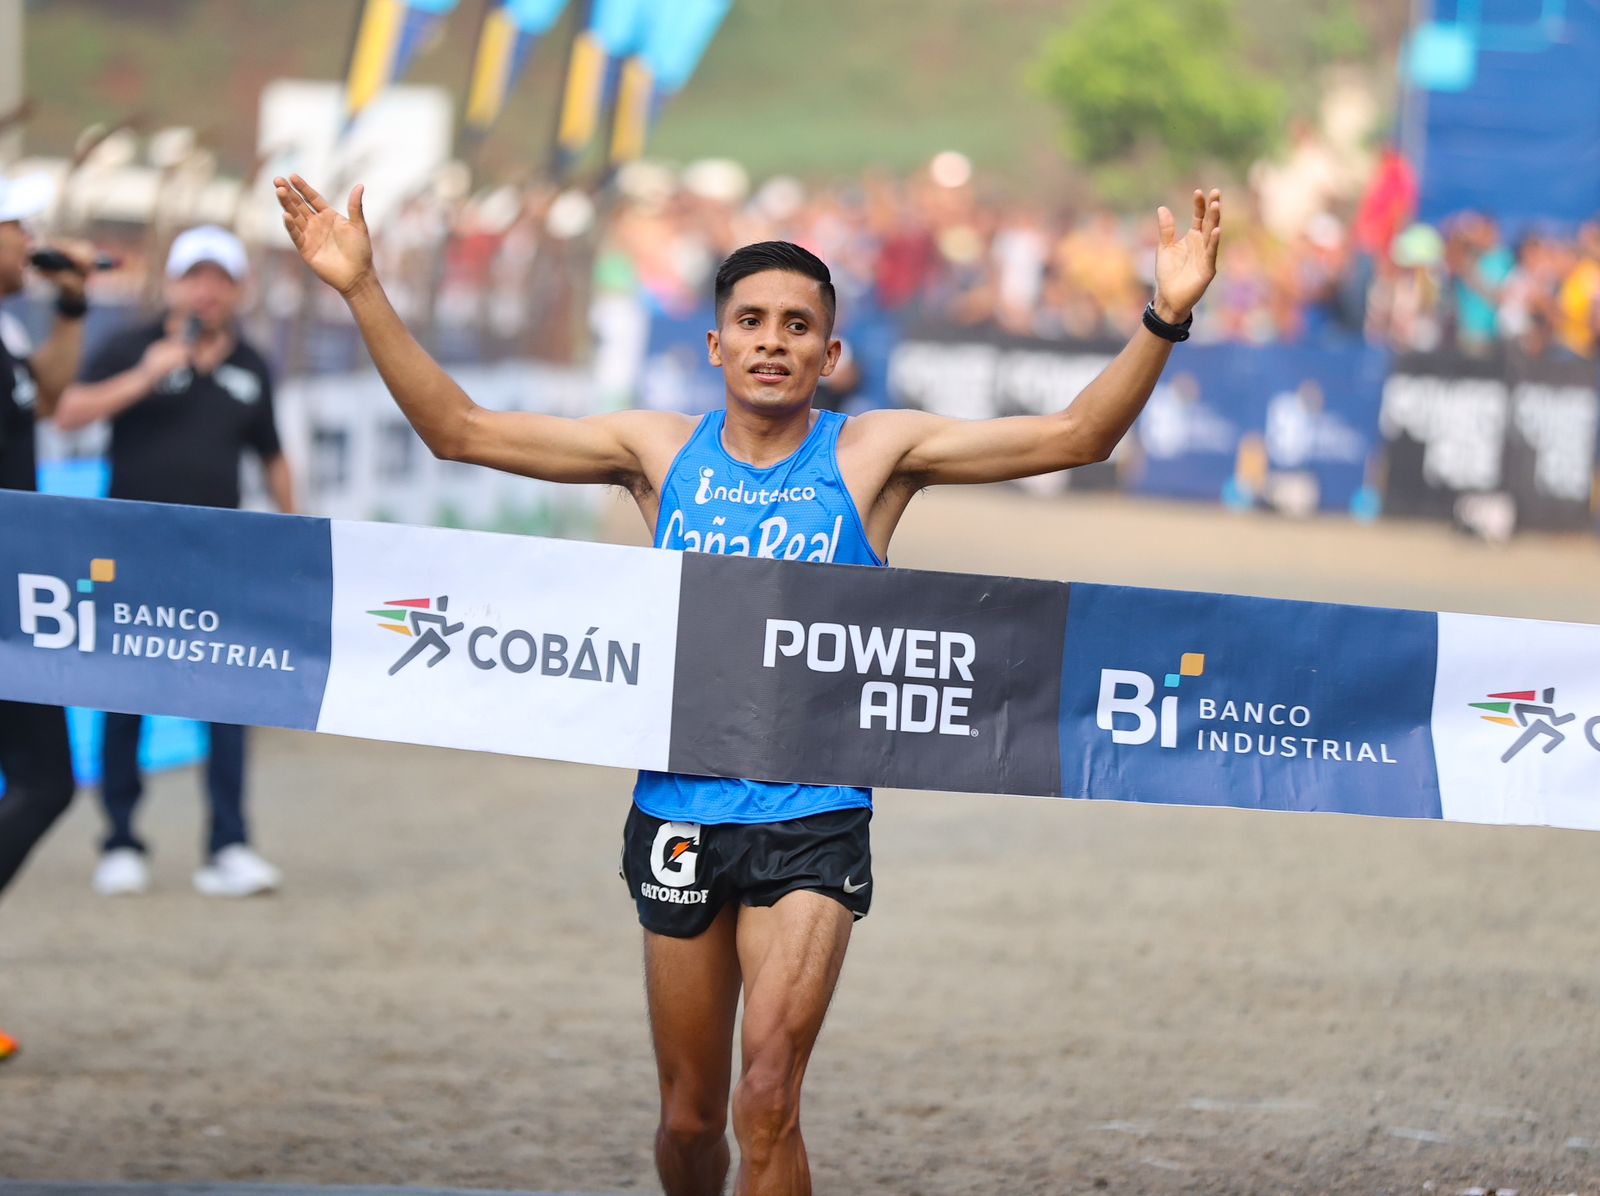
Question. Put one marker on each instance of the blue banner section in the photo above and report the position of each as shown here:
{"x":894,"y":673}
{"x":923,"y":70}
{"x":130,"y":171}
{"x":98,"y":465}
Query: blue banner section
{"x":1291,"y":428}
{"x":1277,"y":425}
{"x":1512,"y":112}
{"x":1195,"y":428}
{"x":1211,"y":700}
{"x":165,"y":610}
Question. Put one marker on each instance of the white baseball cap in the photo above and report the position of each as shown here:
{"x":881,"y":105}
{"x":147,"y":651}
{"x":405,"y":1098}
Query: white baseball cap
{"x":24,"y":198}
{"x":208,"y":243}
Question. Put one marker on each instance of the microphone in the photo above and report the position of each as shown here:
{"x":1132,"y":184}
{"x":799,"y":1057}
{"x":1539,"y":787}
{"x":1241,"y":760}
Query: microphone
{"x":51,"y":260}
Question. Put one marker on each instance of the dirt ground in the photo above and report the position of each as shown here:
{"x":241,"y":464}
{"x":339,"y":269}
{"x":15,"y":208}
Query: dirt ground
{"x":1049,"y":997}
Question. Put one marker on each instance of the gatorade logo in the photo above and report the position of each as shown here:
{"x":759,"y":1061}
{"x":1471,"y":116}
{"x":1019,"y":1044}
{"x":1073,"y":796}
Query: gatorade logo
{"x":675,"y":860}
{"x":675,"y":855}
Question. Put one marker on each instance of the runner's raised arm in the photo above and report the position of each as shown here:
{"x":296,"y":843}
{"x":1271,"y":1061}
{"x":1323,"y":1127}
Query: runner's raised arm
{"x":600,"y":448}
{"x":931,"y":450}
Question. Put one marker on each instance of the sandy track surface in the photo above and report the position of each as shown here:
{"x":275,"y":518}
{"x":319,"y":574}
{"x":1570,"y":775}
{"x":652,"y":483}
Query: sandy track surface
{"x":1048,"y":997}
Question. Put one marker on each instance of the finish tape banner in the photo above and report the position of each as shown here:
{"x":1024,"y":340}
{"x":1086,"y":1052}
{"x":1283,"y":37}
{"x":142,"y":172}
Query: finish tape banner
{"x":788,"y":671}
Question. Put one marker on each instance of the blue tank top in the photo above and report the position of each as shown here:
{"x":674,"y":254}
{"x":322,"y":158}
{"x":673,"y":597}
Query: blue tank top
{"x":796,"y":510}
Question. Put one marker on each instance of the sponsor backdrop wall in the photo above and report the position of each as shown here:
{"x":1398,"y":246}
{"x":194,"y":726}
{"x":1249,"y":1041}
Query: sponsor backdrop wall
{"x":782,"y":670}
{"x":1494,"y":443}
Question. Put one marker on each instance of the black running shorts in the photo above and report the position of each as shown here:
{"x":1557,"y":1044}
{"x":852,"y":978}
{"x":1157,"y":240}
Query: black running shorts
{"x":681,"y":874}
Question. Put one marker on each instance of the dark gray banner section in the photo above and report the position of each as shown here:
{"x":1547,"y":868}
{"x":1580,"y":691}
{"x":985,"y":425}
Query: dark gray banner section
{"x":1494,"y":443}
{"x":839,"y":674}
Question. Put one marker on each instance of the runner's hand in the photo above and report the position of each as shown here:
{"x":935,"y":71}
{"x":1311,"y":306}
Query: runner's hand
{"x":338,"y":249}
{"x":1186,"y":266}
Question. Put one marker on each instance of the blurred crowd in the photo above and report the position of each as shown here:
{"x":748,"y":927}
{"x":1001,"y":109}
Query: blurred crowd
{"x":1302,"y":263}
{"x":935,"y":246}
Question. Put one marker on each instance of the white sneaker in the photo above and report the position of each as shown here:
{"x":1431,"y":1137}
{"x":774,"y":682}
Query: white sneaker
{"x":122,"y":872}
{"x":237,"y":871}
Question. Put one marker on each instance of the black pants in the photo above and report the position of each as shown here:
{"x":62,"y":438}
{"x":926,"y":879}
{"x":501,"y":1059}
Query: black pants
{"x":37,"y":764}
{"x":122,"y":784}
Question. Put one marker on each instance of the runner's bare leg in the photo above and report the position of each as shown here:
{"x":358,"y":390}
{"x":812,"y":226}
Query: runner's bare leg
{"x":790,"y":954}
{"x":693,"y":991}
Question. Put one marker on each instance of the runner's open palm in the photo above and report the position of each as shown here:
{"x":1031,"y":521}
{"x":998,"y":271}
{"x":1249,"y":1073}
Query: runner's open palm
{"x":1185,"y":266}
{"x":338,"y":249}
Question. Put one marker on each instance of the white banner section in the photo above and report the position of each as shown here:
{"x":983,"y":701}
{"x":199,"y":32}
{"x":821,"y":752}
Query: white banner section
{"x":527,"y":647}
{"x":1516,"y":721}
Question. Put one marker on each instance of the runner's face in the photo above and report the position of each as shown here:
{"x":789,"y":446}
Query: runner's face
{"x":774,"y":341}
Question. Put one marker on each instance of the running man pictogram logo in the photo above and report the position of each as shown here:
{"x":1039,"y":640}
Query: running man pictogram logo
{"x":1517,"y":708}
{"x":425,"y":620}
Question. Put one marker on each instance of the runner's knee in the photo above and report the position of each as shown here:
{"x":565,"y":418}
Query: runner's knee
{"x":766,"y":1101}
{"x":692,"y":1125}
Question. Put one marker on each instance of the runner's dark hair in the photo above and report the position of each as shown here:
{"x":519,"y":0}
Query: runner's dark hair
{"x":774,"y":255}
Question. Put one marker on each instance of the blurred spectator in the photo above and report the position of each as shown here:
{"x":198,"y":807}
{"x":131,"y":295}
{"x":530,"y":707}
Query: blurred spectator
{"x":1479,"y":266}
{"x":185,"y":396}
{"x":1525,"y":316}
{"x":1310,"y":179}
{"x":1579,"y":296}
{"x":1405,"y":309}
{"x":1388,"y":205}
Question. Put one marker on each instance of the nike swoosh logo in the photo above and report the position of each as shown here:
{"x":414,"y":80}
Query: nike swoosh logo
{"x":850,"y":888}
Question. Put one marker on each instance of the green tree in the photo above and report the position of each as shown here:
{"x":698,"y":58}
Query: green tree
{"x":1150,"y":89}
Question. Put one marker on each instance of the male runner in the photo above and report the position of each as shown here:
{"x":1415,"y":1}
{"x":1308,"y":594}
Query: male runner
{"x":779,"y":871}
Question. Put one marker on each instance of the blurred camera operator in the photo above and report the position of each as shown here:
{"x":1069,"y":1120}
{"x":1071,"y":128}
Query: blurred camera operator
{"x":34,"y":755}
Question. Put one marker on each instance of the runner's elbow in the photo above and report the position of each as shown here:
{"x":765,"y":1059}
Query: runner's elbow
{"x":449,"y":440}
{"x":1077,"y":445}
{"x":447,"y":448}
{"x":1096,"y":452}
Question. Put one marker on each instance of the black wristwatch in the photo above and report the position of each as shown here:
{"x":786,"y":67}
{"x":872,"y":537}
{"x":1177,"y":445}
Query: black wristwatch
{"x":1167,"y":332}
{"x":71,"y":307}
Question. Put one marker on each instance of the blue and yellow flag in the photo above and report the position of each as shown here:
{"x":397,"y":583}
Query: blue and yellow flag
{"x":387,"y":38}
{"x":676,"y":38}
{"x":510,"y":31}
{"x":615,"y":29}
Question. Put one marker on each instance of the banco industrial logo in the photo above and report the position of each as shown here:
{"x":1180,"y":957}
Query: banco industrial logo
{"x":426,"y":623}
{"x":1228,"y":723}
{"x":57,"y":614}
{"x":1537,"y":717}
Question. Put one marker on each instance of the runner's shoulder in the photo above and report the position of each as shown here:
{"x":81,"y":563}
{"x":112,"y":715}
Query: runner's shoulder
{"x":652,"y":424}
{"x":651,"y":429}
{"x":890,"y":430}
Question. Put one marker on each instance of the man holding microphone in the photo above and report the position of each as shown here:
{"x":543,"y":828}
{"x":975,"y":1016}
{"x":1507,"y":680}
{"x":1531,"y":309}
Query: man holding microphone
{"x":185,"y":397}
